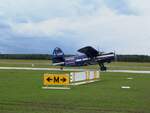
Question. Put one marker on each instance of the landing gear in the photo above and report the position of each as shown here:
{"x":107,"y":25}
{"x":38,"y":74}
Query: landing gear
{"x":102,"y":67}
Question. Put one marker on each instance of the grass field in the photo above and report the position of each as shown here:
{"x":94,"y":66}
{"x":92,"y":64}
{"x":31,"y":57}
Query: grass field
{"x":47,"y":64}
{"x":21,"y":92}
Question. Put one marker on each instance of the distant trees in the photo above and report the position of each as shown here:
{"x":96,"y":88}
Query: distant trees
{"x":25,"y":56}
{"x":133,"y":58}
{"x":124,"y":58}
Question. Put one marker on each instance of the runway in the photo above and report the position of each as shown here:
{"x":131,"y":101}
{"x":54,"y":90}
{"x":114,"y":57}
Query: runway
{"x":69,"y":69}
{"x":46,"y":69}
{"x":129,"y":71}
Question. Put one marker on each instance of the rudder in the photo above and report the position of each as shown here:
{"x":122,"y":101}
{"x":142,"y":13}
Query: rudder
{"x":58,"y":55}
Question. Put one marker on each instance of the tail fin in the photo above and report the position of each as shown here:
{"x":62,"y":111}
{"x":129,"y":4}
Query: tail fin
{"x":58,"y":56}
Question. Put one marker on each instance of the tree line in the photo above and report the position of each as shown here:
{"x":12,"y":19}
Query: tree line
{"x":133,"y":58}
{"x":121,"y":58}
{"x":26,"y":56}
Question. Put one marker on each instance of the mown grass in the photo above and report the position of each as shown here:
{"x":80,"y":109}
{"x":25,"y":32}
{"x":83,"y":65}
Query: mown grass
{"x":48,"y":64}
{"x":21,"y":92}
{"x":24,"y":63}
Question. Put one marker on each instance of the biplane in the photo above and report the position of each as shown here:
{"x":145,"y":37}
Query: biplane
{"x":89,"y":56}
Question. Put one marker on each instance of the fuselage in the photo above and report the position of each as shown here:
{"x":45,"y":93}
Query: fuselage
{"x":83,"y":60}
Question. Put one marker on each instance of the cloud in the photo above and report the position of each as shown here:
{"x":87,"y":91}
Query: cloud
{"x":120,"y":25}
{"x":142,"y":7}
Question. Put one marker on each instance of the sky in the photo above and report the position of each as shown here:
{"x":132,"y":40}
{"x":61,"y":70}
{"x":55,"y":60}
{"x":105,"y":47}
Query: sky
{"x":38,"y":26}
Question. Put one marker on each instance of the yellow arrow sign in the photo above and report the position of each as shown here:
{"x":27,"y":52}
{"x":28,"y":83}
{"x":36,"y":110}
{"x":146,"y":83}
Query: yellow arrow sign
{"x":56,"y":79}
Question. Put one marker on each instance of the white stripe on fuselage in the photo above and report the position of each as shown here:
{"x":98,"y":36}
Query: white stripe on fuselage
{"x":103,"y":56}
{"x":98,"y":57}
{"x":82,"y":59}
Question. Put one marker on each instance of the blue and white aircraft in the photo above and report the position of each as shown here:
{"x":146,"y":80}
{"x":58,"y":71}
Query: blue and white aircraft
{"x":90,"y":57}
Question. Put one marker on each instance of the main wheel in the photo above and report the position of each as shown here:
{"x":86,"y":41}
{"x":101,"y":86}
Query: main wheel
{"x":103,"y":68}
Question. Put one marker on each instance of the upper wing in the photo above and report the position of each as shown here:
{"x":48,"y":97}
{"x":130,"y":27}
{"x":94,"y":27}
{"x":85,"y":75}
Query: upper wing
{"x":89,"y":51}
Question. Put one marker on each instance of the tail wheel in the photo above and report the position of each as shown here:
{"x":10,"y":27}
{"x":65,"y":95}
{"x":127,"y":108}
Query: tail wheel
{"x":61,"y":68}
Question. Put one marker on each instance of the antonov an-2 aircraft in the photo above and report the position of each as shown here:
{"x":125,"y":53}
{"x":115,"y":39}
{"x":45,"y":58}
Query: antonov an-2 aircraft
{"x":90,"y":56}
